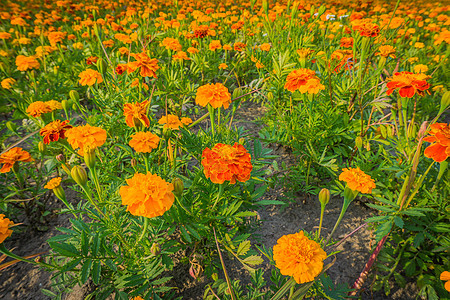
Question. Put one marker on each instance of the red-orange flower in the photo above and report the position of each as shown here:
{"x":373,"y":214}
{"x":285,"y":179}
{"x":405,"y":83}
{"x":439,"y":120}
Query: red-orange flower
{"x":5,"y":224}
{"x":439,"y":150}
{"x":304,"y":80}
{"x":227,"y":163}
{"x":136,"y":113}
{"x":147,"y":195}
{"x":357,"y":180}
{"x":90,"y":77}
{"x":216,"y":95}
{"x":408,"y":84}
{"x":36,"y":109}
{"x":9,"y":158}
{"x":86,"y":137}
{"x":365,"y":27}
{"x":144,"y":142}
{"x":347,"y":42}
{"x":147,"y":65}
{"x":298,"y":256}
{"x":54,"y":131}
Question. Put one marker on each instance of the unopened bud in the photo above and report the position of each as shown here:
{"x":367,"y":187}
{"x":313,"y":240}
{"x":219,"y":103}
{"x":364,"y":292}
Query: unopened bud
{"x":59,"y":192}
{"x":74,"y":96}
{"x":237,"y":93}
{"x":79,"y":174}
{"x":265,"y":6}
{"x":445,"y":101}
{"x":155,"y":249}
{"x":65,"y":104}
{"x":270,"y":96}
{"x":60,"y":158}
{"x":42,"y":147}
{"x":324,"y":196}
{"x":178,"y":187}
{"x":358,"y":142}
{"x":89,"y":158}
{"x":133,"y":163}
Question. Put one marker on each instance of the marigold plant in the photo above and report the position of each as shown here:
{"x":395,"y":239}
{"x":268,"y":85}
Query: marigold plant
{"x":54,"y":131}
{"x":9,"y":158}
{"x":90,"y":77}
{"x":144,"y":142}
{"x":86,"y":137}
{"x":216,"y":95}
{"x":136,"y":114}
{"x":357,"y":180}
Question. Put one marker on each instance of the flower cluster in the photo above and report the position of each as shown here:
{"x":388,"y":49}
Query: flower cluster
{"x":173,"y":122}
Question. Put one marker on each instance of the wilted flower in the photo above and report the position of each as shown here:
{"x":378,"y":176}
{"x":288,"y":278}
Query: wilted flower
{"x":136,"y":114}
{"x":9,"y":158}
{"x":86,"y":137}
{"x":90,"y":77}
{"x":144,"y":142}
{"x":298,"y":256}
{"x":357,"y":180}
{"x":439,"y":150}
{"x":216,"y":95}
{"x":227,"y":163}
{"x":147,"y":195}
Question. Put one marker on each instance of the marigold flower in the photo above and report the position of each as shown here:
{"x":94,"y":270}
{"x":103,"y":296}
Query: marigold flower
{"x":238,"y":46}
{"x":54,"y":131}
{"x":408,"y":84}
{"x":215,"y":44}
{"x":147,"y":65}
{"x":366,"y":28}
{"x":304,"y":80}
{"x":420,"y":68}
{"x":25,"y":63}
{"x":36,"y":109}
{"x":91,"y":60}
{"x":357,"y":180}
{"x":147,"y":195}
{"x":439,"y":150}
{"x":223,"y":66}
{"x":171,"y":44}
{"x":53,"y":183}
{"x":55,"y":37}
{"x":5,"y":224}
{"x":4,"y":35}
{"x":192,"y":50}
{"x":144,"y":142}
{"x":265,"y":47}
{"x":386,"y":51}
{"x":180,"y":56}
{"x":346,"y":42}
{"x":90,"y":77}
{"x":186,"y":121}
{"x":9,"y":158}
{"x":136,"y":113}
{"x":54,"y":105}
{"x":227,"y":163}
{"x":201,"y":31}
{"x":445,"y":276}
{"x":171,"y":122}
{"x":8,"y":83}
{"x":298,"y":256}
{"x":216,"y":95}
{"x":86,"y":137}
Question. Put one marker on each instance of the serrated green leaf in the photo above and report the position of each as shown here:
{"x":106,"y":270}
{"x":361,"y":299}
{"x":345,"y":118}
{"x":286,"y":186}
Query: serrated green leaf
{"x":398,"y":221}
{"x":418,"y":239}
{"x":253,"y":260}
{"x":96,"y":270}
{"x":380,"y":208}
{"x":86,"y":270}
{"x":64,"y":249}
{"x":243,"y":248}
{"x":185,"y":234}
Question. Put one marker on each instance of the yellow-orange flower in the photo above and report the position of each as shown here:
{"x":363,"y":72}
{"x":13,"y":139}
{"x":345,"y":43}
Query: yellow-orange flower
{"x":54,"y":105}
{"x":90,"y":77}
{"x":25,"y":63}
{"x":386,"y":51}
{"x":180,"y":56}
{"x":216,"y":95}
{"x":298,"y":256}
{"x":54,"y":131}
{"x":171,"y":44}
{"x":36,"y":109}
{"x":215,"y":44}
{"x":357,"y":180}
{"x":86,"y":137}
{"x":171,"y":122}
{"x":8,"y":83}
{"x":136,"y":113}
{"x":304,"y":80}
{"x":147,"y":65}
{"x":445,"y":276}
{"x":56,"y":37}
{"x":53,"y":183}
{"x":227,"y":163}
{"x":9,"y":158}
{"x":144,"y":142}
{"x":147,"y":195}
{"x":5,"y":224}
{"x":439,"y":150}
{"x":265,"y":47}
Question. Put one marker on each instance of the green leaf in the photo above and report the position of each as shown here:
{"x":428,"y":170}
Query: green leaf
{"x":95,"y":244}
{"x":193,"y":232}
{"x":96,"y":270}
{"x":400,"y":280}
{"x":410,"y":268}
{"x":253,"y":260}
{"x":270,"y":202}
{"x":380,"y":208}
{"x":85,"y":270}
{"x":243,"y":248}
{"x":64,"y":249}
{"x":418,"y":239}
{"x":185,"y":234}
{"x":413,"y":213}
{"x":377,"y":219}
{"x":398,"y":221}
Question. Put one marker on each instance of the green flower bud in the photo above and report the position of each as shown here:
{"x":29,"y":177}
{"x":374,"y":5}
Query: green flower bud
{"x":74,"y":96}
{"x":155,"y":249}
{"x":324,"y":196}
{"x":65,"y":104}
{"x":237,"y":93}
{"x":11,"y":126}
{"x":59,"y":192}
{"x":42,"y":147}
{"x":445,"y":101}
{"x":79,"y":174}
{"x":270,"y":96}
{"x":178,"y":187}
{"x":359,"y":142}
{"x":89,"y":158}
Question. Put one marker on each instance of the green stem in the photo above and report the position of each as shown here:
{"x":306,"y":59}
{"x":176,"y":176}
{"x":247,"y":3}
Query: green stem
{"x":12,"y":255}
{"x":322,"y":211}
{"x":221,"y":187}
{"x":144,"y":230}
{"x":211,"y":116}
{"x":93,"y":172}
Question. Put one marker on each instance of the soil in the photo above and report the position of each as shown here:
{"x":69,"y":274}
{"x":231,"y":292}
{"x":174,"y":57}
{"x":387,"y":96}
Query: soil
{"x":23,"y":281}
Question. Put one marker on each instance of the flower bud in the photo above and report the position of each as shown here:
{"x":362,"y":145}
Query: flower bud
{"x":358,"y":142}
{"x":265,"y":6}
{"x":42,"y":147}
{"x":89,"y":158}
{"x":60,"y":158}
{"x":445,"y":101}
{"x":349,"y":194}
{"x":59,"y":192}
{"x":178,"y":187}
{"x":324,"y":196}
{"x":133,"y":163}
{"x":270,"y":96}
{"x":65,"y":104}
{"x":155,"y":249}
{"x":74,"y":96}
{"x":79,"y":174}
{"x":237,"y":93}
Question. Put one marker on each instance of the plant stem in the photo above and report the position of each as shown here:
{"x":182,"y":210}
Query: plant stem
{"x":144,"y":230}
{"x":221,"y":187}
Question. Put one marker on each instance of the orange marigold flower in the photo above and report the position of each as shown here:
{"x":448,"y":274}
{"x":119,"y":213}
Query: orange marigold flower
{"x":144,"y":142}
{"x":147,"y":65}
{"x":180,"y":56}
{"x":265,"y":47}
{"x":192,"y":50}
{"x":201,"y":31}
{"x":171,"y":122}
{"x":298,"y":256}
{"x":346,"y":42}
{"x":25,"y":63}
{"x":186,"y":121}
{"x":215,"y":44}
{"x":223,"y":66}
{"x":357,"y":180}
{"x":123,"y":50}
{"x":8,"y":83}
{"x":91,"y":60}
{"x":304,"y":80}
{"x":54,"y":131}
{"x":445,"y":276}
{"x":90,"y":77}
{"x":54,"y":105}
{"x":136,"y":114}
{"x":366,"y":28}
{"x":386,"y":51}
{"x":9,"y":158}
{"x":55,"y":37}
{"x":439,"y":150}
{"x":86,"y":137}
{"x":171,"y":44}
{"x":121,"y":68}
{"x":147,"y":195}
{"x":5,"y":224}
{"x":36,"y":109}
{"x":216,"y":95}
{"x":224,"y":162}
{"x":53,"y":183}
{"x":227,"y":47}
{"x":238,"y":46}
{"x":408,"y":84}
